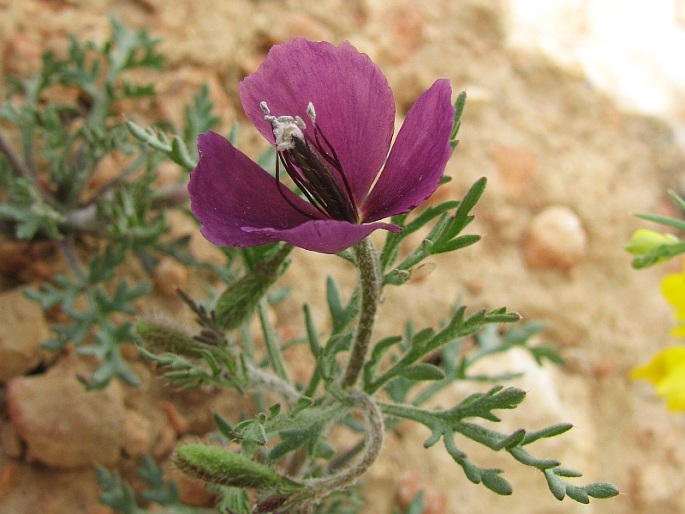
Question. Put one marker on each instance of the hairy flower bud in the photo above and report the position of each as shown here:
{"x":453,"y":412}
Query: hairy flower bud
{"x":220,"y":466}
{"x":161,"y":335}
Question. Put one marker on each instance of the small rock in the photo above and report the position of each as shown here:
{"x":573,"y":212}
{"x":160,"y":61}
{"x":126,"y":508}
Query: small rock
{"x":22,"y":55}
{"x":165,"y":442}
{"x":10,"y":441}
{"x":178,"y":422}
{"x":129,"y":352}
{"x":170,"y":275}
{"x":8,"y":477}
{"x":23,"y":331}
{"x":137,"y":429}
{"x":604,"y":368}
{"x":23,"y":261}
{"x":62,"y":424}
{"x":191,"y":492}
{"x":475,"y":286}
{"x":555,"y":239}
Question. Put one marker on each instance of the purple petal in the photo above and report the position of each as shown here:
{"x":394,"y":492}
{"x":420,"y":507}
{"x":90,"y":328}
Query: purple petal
{"x":418,"y":157}
{"x":354,"y":105}
{"x":229,"y":192}
{"x":324,"y":236}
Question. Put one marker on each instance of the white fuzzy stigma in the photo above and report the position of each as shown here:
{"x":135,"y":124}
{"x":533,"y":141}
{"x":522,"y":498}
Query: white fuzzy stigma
{"x":285,"y":128}
{"x":311,"y":112}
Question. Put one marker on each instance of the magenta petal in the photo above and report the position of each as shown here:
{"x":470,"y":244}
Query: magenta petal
{"x":325,"y":236}
{"x":354,"y":105}
{"x":418,"y":156}
{"x":229,"y":192}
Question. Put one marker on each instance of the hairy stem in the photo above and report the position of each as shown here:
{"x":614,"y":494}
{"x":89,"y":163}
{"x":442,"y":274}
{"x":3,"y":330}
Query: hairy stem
{"x":68,"y":250}
{"x":370,"y":282}
{"x":318,"y":489}
{"x":14,"y":161}
{"x":85,"y":219}
{"x":263,"y":381}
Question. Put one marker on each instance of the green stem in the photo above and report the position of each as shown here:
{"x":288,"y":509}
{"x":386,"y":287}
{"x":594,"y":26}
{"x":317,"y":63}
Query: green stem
{"x":20,"y":169}
{"x":85,"y":219}
{"x":406,"y":412}
{"x":28,"y":148}
{"x":370,"y":281}
{"x":317,"y":489}
{"x":248,"y":349}
{"x":273,"y":348}
{"x":266,"y":382}
{"x":24,"y":168}
{"x":68,"y":250}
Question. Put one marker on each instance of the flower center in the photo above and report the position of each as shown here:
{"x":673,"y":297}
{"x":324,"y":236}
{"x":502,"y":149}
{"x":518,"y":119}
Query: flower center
{"x":313,"y":166}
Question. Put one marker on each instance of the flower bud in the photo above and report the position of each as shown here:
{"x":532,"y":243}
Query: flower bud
{"x":162,"y":336}
{"x":644,"y":241}
{"x":224,"y":467}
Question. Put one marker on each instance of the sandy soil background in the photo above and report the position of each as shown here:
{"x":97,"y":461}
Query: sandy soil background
{"x":566,"y":167}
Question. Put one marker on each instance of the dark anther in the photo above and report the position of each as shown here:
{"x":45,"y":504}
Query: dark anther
{"x":310,"y":164}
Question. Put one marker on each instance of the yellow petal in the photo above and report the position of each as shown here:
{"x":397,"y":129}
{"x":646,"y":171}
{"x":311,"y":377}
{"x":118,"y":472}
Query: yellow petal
{"x":666,"y":371}
{"x":663,"y":363}
{"x":672,"y":389}
{"x":673,"y":289}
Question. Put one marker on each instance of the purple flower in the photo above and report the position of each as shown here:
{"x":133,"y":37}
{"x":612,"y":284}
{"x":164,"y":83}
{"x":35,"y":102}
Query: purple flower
{"x":330,"y":113}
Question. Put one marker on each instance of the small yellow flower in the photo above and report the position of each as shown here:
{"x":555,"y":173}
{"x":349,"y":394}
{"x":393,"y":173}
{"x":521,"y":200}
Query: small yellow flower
{"x":666,"y":371}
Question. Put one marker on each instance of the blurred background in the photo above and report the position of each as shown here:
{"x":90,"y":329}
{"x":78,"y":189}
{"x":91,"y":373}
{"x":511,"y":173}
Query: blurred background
{"x":575,"y":115}
{"x":624,"y":49}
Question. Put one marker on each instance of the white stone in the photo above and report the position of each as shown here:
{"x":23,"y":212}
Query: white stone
{"x":555,"y":239}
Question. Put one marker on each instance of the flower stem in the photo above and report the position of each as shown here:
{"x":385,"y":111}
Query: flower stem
{"x":370,"y":282}
{"x":317,"y":489}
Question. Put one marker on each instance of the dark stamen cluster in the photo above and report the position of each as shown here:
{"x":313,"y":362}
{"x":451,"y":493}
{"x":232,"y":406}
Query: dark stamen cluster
{"x":311,"y":165}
